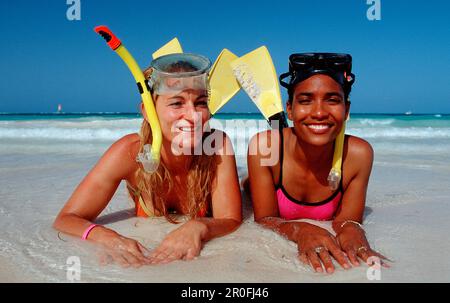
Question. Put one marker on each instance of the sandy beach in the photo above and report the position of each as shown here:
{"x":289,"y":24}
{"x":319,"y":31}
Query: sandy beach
{"x":406,"y":219}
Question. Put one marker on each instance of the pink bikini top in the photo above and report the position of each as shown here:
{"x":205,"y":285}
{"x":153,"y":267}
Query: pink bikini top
{"x":291,"y":209}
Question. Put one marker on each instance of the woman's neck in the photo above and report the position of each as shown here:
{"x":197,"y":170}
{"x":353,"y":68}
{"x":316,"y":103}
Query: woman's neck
{"x":176,"y":164}
{"x":313,"y":156}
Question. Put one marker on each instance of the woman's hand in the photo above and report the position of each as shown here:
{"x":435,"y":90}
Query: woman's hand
{"x":316,"y":246}
{"x":183,"y":243}
{"x":123,"y":251}
{"x":353,"y":242}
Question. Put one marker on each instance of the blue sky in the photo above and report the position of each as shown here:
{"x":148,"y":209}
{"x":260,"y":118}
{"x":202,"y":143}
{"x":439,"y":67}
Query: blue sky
{"x":401,"y":62}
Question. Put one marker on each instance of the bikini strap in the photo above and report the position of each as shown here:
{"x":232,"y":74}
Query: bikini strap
{"x":147,"y":211}
{"x":341,"y":182}
{"x":280,"y":177}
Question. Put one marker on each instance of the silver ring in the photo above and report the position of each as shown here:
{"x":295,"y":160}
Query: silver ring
{"x":362,"y":248}
{"x":319,"y":249}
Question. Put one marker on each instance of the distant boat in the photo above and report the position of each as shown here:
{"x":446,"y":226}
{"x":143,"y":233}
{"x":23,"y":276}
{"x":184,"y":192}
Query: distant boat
{"x":59,"y":109}
{"x":408,"y":113}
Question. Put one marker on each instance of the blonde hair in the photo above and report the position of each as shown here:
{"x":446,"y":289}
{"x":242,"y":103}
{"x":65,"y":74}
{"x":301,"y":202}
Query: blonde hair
{"x":157,"y":185}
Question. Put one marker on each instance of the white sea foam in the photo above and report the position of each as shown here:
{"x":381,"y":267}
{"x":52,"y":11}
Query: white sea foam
{"x":406,"y":132}
{"x":373,"y":122}
{"x":76,"y":134}
{"x":87,"y":129}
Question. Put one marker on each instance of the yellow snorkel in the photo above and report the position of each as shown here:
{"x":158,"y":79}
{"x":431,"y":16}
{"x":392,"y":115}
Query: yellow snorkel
{"x":335,"y":175}
{"x":151,"y":155}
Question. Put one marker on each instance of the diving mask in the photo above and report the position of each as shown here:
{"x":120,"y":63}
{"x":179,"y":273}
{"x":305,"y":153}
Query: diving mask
{"x":305,"y":65}
{"x":171,"y":74}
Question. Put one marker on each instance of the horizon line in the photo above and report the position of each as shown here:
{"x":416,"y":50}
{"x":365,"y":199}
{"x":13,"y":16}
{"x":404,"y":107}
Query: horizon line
{"x":220,"y":113}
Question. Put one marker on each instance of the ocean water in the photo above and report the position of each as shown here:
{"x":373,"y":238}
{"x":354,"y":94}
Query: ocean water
{"x":44,"y":157}
{"x":390,"y":134}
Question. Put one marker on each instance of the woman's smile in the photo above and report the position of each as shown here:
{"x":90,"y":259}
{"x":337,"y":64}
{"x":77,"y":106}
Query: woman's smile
{"x":318,"y":128}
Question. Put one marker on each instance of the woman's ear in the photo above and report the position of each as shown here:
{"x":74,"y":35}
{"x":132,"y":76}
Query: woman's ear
{"x":347,"y":109}
{"x":289,"y":109}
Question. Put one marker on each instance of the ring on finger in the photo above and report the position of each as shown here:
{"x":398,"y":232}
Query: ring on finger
{"x":319,"y":249}
{"x":362,"y":248}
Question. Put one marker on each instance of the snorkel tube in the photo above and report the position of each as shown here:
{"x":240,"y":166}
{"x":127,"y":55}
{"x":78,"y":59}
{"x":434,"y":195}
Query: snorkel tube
{"x":151,"y":156}
{"x":335,"y":175}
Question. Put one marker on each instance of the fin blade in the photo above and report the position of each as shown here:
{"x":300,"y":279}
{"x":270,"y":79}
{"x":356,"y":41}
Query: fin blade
{"x":257,"y":76}
{"x":171,"y":47}
{"x":223,"y":84}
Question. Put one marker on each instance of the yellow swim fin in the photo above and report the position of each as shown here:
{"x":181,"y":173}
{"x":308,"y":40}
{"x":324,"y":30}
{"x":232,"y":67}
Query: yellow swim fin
{"x":257,"y":76}
{"x":171,"y":47}
{"x":223,"y":84}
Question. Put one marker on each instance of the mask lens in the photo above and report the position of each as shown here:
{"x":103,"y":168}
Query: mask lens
{"x":304,"y":65}
{"x":177,"y":72}
{"x":167,"y":85}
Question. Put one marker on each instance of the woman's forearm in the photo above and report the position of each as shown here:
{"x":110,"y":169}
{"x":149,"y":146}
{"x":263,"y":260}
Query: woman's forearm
{"x":285,"y":228}
{"x":217,"y":227}
{"x":76,"y":226}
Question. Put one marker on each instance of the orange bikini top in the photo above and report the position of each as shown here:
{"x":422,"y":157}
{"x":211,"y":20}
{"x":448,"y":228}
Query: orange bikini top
{"x":143,"y":211}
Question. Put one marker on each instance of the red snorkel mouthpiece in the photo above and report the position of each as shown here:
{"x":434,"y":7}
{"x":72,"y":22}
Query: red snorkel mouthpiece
{"x":107,"y":34}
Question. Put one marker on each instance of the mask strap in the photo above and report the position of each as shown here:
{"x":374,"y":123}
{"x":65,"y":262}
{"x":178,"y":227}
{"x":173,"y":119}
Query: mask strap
{"x":282,"y":77}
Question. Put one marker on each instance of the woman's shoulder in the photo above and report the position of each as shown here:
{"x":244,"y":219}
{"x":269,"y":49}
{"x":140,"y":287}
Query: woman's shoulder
{"x":123,"y":152}
{"x":126,"y":147}
{"x":358,"y":157}
{"x":128,"y":139}
{"x":358,"y":147}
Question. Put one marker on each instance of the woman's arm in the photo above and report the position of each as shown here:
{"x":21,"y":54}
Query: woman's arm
{"x":94,"y":193}
{"x":262,"y":188}
{"x":186,"y":241}
{"x":358,"y":166}
{"x":308,"y":237}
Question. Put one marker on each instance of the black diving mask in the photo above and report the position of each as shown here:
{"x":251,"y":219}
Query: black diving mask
{"x":304,"y":65}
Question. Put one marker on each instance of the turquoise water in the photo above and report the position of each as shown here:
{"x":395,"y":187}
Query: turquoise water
{"x":110,"y":126}
{"x":62,"y":116}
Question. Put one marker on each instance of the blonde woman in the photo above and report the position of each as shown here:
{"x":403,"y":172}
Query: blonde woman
{"x":202,"y":185}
